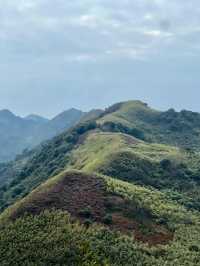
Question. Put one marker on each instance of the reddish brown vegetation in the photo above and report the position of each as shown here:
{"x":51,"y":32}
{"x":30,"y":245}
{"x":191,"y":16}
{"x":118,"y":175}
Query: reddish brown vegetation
{"x":73,"y":193}
{"x":76,"y":192}
{"x":160,"y":236}
{"x":127,"y":219}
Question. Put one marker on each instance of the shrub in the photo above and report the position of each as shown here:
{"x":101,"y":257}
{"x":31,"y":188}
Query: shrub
{"x":88,"y":222}
{"x":118,"y":127}
{"x":194,"y":248}
{"x":165,"y":164}
{"x":86,"y":213}
{"x":108,"y":219}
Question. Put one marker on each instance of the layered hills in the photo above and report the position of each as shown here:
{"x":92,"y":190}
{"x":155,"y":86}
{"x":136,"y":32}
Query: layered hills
{"x":18,"y":134}
{"x":121,"y":187}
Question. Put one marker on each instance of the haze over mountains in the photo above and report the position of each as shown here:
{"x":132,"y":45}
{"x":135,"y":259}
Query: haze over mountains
{"x":17,"y":133}
{"x":120,"y":187}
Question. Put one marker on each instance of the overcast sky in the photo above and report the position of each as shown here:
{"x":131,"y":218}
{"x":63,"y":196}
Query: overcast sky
{"x":57,"y":54}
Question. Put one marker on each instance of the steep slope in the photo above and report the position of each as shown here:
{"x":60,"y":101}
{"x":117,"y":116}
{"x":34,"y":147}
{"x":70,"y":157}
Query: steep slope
{"x":123,"y":199}
{"x":170,"y":169}
{"x":147,"y":218}
{"x":107,"y":151}
{"x":104,"y":200}
{"x":33,"y":168}
{"x":174,"y":171}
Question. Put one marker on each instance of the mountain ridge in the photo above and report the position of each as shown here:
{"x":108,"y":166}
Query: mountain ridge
{"x":123,"y":177}
{"x":18,"y":134}
{"x":36,"y":118}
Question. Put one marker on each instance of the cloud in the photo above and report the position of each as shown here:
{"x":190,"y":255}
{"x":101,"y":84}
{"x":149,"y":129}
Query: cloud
{"x":41,"y":21}
{"x":82,"y":26}
{"x":90,"y":28}
{"x":158,"y":34}
{"x":49,"y":43}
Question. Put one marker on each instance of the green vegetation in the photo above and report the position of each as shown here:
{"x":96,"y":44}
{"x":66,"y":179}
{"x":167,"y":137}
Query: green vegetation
{"x":120,"y":189}
{"x":31,"y":241}
{"x":175,"y":128}
{"x":141,"y":163}
{"x":44,"y":162}
{"x":85,"y":243}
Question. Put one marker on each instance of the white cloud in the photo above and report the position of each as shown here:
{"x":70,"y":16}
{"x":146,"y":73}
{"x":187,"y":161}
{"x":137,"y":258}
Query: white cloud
{"x":93,"y":26}
{"x":153,"y":33}
{"x":80,"y":58}
{"x":149,"y":17}
{"x":158,"y":33}
{"x":60,"y":45}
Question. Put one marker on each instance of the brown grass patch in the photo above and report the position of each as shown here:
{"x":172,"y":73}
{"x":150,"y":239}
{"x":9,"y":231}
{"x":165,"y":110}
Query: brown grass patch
{"x":77,"y":193}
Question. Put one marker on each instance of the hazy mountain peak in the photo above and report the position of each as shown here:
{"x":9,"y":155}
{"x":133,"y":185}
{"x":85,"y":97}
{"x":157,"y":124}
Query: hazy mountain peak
{"x":17,"y":133}
{"x":6,"y":113}
{"x":36,"y":118}
{"x":68,"y":115}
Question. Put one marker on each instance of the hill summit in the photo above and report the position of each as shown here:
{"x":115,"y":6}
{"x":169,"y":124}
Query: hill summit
{"x":120,"y":187}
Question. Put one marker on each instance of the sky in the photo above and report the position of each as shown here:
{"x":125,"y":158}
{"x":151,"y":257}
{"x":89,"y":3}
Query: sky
{"x":87,"y":54}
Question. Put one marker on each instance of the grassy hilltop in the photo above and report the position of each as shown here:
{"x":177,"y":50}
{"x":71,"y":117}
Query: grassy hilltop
{"x":120,"y":189}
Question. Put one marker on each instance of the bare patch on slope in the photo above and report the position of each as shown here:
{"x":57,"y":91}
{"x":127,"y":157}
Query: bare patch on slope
{"x":74,"y":193}
{"x":86,"y":198}
{"x":129,"y":219}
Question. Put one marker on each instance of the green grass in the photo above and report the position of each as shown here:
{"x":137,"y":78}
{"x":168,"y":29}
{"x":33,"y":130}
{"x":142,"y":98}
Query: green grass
{"x":152,"y":188}
{"x":94,"y":151}
{"x":43,"y":188}
{"x":153,"y":200}
{"x":117,"y":155}
{"x":180,"y":129}
{"x":52,"y":238}
{"x":99,"y":147}
{"x":135,"y":118}
{"x":148,"y":198}
{"x":46,"y":161}
{"x":122,"y":156}
{"x":128,"y":113}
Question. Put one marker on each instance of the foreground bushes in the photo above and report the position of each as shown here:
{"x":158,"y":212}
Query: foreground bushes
{"x":51,"y":239}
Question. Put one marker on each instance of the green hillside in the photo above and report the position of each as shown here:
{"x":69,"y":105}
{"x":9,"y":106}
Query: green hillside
{"x":175,"y":128}
{"x":173,"y":170}
{"x":142,"y":223}
{"x":127,"y":178}
{"x":90,"y":146}
{"x":169,"y":169}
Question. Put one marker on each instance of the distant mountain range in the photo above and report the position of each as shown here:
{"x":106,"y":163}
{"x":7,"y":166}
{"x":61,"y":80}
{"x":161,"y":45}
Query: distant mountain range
{"x":18,"y":134}
{"x":120,"y":187}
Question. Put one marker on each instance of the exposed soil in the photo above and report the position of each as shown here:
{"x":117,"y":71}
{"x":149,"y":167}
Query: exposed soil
{"x":74,"y":193}
{"x":156,"y":238}
{"x":123,"y":223}
{"x":127,"y":219}
{"x":85,"y":197}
